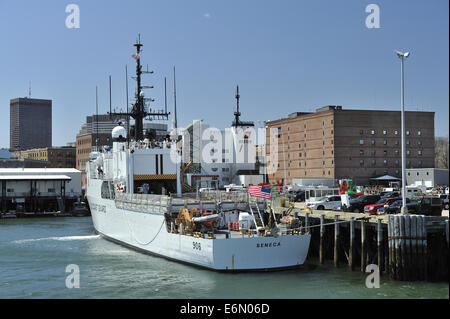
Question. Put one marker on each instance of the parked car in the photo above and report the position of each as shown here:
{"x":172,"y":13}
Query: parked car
{"x":444,"y":199}
{"x":390,"y":194}
{"x":357,"y":205}
{"x":372,"y":209}
{"x":396,"y":206}
{"x":299,"y":196}
{"x":430,"y":206}
{"x":330,"y":202}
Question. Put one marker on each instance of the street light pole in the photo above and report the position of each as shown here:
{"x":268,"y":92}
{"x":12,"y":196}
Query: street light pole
{"x":403,"y":56}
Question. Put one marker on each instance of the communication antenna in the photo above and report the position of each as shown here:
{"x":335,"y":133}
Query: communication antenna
{"x":96,"y":111}
{"x":110,"y":97}
{"x":165,"y":94}
{"x":29,"y":90}
{"x":175,"y":98}
{"x":128,"y":116}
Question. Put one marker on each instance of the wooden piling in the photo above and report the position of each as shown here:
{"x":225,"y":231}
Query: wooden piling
{"x":446,"y":231}
{"x":420,"y":257}
{"x":322,"y":234}
{"x":413,"y":248}
{"x":380,"y":245}
{"x":336,"y":240}
{"x":363,"y":244}
{"x":391,"y":247}
{"x":397,"y":249}
{"x":307,"y":222}
{"x":408,"y":260}
{"x":352,"y":243}
{"x":402,"y":247}
{"x":425,"y":247}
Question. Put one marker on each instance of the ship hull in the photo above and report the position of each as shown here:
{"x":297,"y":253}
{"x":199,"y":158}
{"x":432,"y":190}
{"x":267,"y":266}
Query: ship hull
{"x":147,"y":232}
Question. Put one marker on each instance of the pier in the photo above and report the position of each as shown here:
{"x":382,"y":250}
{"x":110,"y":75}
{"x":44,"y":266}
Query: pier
{"x":404,"y":247}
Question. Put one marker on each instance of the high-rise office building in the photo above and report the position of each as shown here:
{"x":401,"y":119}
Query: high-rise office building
{"x":30,"y":123}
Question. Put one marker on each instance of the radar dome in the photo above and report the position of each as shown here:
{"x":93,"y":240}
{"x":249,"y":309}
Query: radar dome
{"x":119,"y":133}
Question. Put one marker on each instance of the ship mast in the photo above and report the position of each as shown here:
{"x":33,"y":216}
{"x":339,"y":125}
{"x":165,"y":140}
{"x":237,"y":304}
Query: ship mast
{"x":139,"y":112}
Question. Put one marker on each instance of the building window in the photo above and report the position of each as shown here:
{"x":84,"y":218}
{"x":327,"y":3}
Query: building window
{"x":396,"y":162}
{"x":299,"y":154}
{"x":384,"y":132}
{"x":361,"y":132}
{"x":396,"y":152}
{"x":299,"y":145}
{"x":396,"y":142}
{"x":407,"y":132}
{"x":361,"y":142}
{"x":373,"y":152}
{"x":395,"y":132}
{"x":373,"y":142}
{"x":385,"y":153}
{"x":408,"y":142}
{"x":419,"y":152}
{"x":419,"y":132}
{"x":374,"y":162}
{"x":385,"y":142}
{"x":420,"y":162}
{"x":408,"y":152}
{"x":385,"y":162}
{"x":372,"y":132}
{"x":361,"y":162}
{"x":419,"y":142}
{"x":361,"y":152}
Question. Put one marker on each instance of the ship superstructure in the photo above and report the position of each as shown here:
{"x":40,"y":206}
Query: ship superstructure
{"x":134,"y":193}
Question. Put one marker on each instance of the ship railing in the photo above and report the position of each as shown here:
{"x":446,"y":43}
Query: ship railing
{"x":142,"y":202}
{"x":218,"y":196}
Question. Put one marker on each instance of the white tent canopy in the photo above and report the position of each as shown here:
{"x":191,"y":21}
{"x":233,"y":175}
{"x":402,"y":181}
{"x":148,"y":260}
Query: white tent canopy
{"x":386,"y":178}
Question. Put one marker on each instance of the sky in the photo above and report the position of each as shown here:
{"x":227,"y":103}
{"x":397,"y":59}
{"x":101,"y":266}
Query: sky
{"x":286,"y":56}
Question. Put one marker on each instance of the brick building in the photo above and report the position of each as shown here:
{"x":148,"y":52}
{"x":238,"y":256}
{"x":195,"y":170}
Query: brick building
{"x":56,"y":157}
{"x":358,"y":144}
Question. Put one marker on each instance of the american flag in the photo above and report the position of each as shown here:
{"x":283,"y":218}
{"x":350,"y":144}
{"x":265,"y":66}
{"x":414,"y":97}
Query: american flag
{"x":259,"y":191}
{"x":135,"y":56}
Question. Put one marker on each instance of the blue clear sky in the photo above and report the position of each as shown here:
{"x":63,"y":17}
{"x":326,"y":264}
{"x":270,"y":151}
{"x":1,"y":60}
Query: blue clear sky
{"x":285,"y":55}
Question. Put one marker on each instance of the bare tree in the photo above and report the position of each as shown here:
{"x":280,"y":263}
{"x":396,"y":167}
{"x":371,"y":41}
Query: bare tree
{"x":441,"y":152}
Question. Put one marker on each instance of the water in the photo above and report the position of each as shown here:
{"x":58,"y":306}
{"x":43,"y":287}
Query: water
{"x":34,"y":254}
